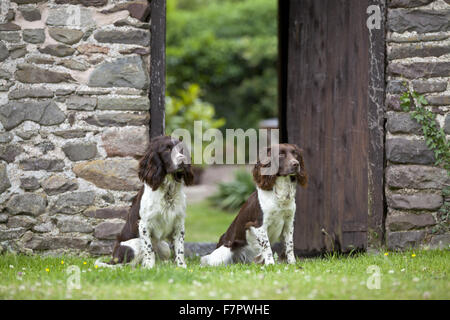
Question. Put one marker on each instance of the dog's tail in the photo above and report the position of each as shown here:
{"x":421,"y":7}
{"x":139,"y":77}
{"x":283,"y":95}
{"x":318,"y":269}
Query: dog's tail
{"x":100,"y":264}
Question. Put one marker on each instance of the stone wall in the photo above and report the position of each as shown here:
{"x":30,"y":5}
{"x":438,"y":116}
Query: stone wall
{"x":74,"y":111}
{"x":418,"y":54}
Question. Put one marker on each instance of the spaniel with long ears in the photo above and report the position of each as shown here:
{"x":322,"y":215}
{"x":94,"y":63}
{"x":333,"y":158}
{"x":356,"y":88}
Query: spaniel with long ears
{"x":273,"y":158}
{"x":158,"y":211}
{"x":268,"y":214}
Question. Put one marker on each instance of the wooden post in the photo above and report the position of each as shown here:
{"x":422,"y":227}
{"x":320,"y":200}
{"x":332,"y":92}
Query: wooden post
{"x":157,"y":67}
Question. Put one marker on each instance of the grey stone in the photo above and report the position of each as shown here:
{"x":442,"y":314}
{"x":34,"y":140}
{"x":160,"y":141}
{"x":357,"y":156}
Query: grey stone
{"x":107,"y":213}
{"x":58,"y":50}
{"x":414,"y":50}
{"x":73,"y":202}
{"x":74,"y":64}
{"x":129,"y":22}
{"x":421,"y":86}
{"x":9,"y":26}
{"x":21,"y":222}
{"x":29,"y":183}
{"x":9,"y":152}
{"x":73,"y":224}
{"x":11,"y":234}
{"x":58,"y":184}
{"x":71,"y":134}
{"x":26,"y":135}
{"x":80,"y":151}
{"x":45,"y":146}
{"x":6,"y":137}
{"x":139,"y":9}
{"x":30,"y":13}
{"x":10,"y":36}
{"x":101,"y":247}
{"x":139,"y":37}
{"x":112,"y":174}
{"x":438,"y":100}
{"x":6,"y":75}
{"x":65,"y":17}
{"x":416,"y":201}
{"x":5,"y":86}
{"x":81,"y":103}
{"x":408,"y":3}
{"x":64,"y":92}
{"x":416,"y":177}
{"x":396,"y":86}
{"x":44,"y":227}
{"x":421,"y":20}
{"x":18,"y":51}
{"x":124,"y":103}
{"x":40,"y":60}
{"x":30,"y":93}
{"x":139,"y":50}
{"x":108,"y":230}
{"x":64,"y":35}
{"x":36,"y":164}
{"x":404,"y":240}
{"x":409,"y":221}
{"x":33,"y":35}
{"x":4,"y":180}
{"x":57,"y":242}
{"x":118,"y":119}
{"x":4,"y":52}
{"x":27,"y":1}
{"x":447,"y":124}
{"x":44,"y":112}
{"x":125,"y":142}
{"x":27,"y":203}
{"x":400,"y":150}
{"x":440,"y":241}
{"x":31,"y":74}
{"x":86,"y":3}
{"x":402,"y":123}
{"x":420,"y":69}
{"x":123,"y":72}
{"x":416,"y":37}
{"x":4,"y":217}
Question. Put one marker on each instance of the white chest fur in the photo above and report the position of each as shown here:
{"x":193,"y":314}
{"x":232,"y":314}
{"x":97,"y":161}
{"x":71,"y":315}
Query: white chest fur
{"x":160,"y":209}
{"x":278,"y":206}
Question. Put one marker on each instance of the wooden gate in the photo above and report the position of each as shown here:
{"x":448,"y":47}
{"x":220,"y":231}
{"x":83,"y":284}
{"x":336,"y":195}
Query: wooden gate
{"x":331,"y":104}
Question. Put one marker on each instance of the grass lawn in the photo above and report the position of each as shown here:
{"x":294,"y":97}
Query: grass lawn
{"x":408,"y":275}
{"x":206,"y":224}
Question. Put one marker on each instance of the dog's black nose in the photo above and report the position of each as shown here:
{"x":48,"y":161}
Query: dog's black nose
{"x":295,"y":163}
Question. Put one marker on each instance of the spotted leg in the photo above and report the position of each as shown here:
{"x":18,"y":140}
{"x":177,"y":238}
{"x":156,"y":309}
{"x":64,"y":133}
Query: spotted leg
{"x":178,"y":243}
{"x":148,"y":255}
{"x":260,"y":241}
{"x":287,"y":237}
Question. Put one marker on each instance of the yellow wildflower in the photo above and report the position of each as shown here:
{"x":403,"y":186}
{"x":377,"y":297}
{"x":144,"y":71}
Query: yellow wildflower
{"x":47,"y":269}
{"x":386,"y":253}
{"x":413,"y":255}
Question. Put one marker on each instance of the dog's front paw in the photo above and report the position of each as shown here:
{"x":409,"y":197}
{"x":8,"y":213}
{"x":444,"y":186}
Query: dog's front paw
{"x":181,"y":265}
{"x":148,"y":263}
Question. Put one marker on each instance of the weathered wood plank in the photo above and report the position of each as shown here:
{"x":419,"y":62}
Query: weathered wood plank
{"x":157,"y":67}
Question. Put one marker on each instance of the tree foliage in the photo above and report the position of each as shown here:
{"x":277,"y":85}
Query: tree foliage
{"x":228,"y":48}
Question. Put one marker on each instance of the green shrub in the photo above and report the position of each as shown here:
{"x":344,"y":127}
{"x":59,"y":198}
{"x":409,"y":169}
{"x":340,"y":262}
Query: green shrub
{"x":229,"y":48}
{"x":232,"y":195}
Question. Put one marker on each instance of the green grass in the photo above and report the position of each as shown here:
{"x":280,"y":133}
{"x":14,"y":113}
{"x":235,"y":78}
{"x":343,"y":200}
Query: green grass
{"x":206,"y":224}
{"x":424,"y":276}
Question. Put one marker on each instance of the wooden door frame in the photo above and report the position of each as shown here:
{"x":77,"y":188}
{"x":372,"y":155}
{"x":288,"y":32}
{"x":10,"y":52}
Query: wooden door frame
{"x":157,"y":86}
{"x":376,"y":111}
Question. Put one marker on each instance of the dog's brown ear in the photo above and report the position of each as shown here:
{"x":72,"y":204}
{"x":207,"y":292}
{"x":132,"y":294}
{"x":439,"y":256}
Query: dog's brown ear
{"x":264,"y":182}
{"x":188,"y":175}
{"x":151,"y":168}
{"x":302,"y":176}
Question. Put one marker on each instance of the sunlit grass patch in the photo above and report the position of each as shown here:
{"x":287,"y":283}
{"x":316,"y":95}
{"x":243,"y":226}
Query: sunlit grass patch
{"x":402,"y":276}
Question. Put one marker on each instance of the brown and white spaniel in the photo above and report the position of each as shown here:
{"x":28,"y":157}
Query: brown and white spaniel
{"x":267,"y":215}
{"x":158,"y":211}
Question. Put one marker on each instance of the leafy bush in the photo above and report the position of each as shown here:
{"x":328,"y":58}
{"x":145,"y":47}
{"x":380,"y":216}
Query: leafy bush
{"x":186,"y":107}
{"x":232,"y":195}
{"x":229,"y":48}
